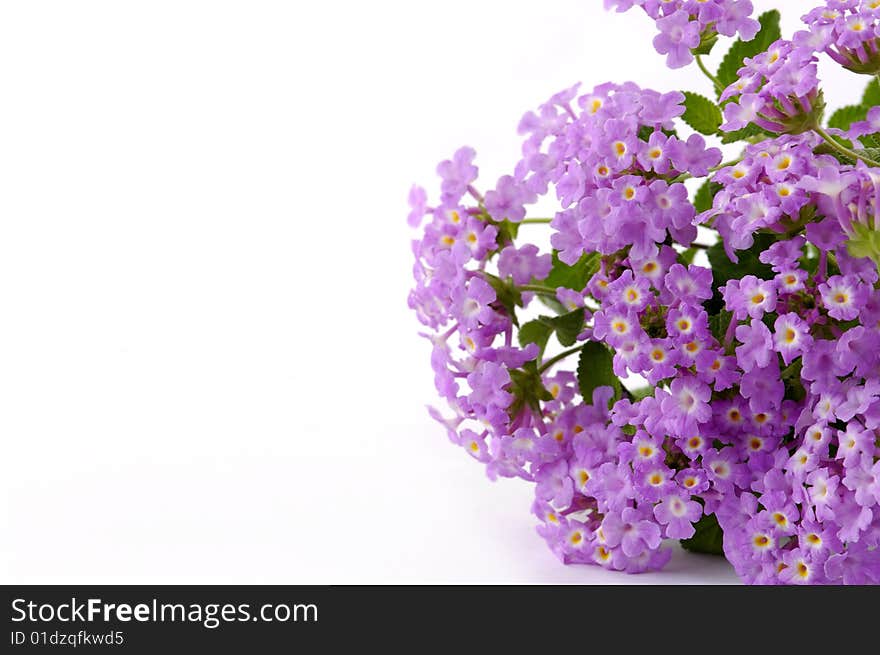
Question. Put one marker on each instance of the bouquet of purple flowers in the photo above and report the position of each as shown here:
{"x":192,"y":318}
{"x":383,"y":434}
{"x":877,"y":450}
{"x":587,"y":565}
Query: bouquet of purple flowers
{"x":698,"y":357}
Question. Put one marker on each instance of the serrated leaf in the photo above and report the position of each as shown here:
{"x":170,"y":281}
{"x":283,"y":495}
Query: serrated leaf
{"x":871,"y":140}
{"x":572,"y":277}
{"x":537,"y":332}
{"x":595,"y":369}
{"x":746,"y":133}
{"x":869,"y":153}
{"x":701,"y":113}
{"x":708,"y":538}
{"x":705,"y":196}
{"x":770,"y":33}
{"x":825,"y":149}
{"x":871,"y":97}
{"x":846,"y":116}
{"x":567,"y":327}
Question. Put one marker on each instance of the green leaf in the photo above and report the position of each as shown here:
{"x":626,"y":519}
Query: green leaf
{"x":701,"y":113}
{"x":870,"y":153}
{"x":846,"y":116}
{"x":686,"y":257}
{"x":871,"y":97}
{"x":572,"y":277}
{"x":595,"y":369}
{"x":871,"y":140}
{"x":507,"y":231}
{"x":719,"y":323}
{"x":537,"y":332}
{"x":723,"y":269}
{"x":551,"y":303}
{"x":708,"y":538}
{"x":528,"y":389}
{"x":642,"y":392}
{"x":825,"y":149}
{"x":705,"y":196}
{"x":568,"y":326}
{"x":740,"y":50}
{"x":745,"y":134}
{"x":507,"y":296}
{"x":707,"y":41}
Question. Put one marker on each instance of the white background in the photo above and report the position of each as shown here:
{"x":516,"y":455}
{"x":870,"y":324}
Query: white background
{"x":208,"y":372}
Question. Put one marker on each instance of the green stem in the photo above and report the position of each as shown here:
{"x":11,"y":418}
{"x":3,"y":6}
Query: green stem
{"x":706,"y":72}
{"x":537,"y":288}
{"x":714,"y":169}
{"x":550,"y":362}
{"x":535,"y":221}
{"x":842,"y":149}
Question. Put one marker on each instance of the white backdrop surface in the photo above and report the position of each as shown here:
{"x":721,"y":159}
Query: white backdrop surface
{"x":208,"y":373}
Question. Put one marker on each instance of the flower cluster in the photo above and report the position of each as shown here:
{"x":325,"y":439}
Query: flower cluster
{"x":730,"y":388}
{"x":849,"y":31}
{"x":615,"y":164}
{"x":778,"y":90}
{"x":686,"y":25}
{"x":763,"y":190}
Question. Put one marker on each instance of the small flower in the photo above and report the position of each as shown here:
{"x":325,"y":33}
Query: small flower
{"x":631,"y":530}
{"x":678,"y":515}
{"x":791,"y":336}
{"x":756,"y":345}
{"x":843,"y":297}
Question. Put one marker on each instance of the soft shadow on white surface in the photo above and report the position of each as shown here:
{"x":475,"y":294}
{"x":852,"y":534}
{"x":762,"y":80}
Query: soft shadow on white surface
{"x":280,"y":517}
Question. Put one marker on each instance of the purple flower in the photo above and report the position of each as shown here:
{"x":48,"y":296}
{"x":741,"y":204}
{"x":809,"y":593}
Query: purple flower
{"x":554,"y":484}
{"x":693,"y":156}
{"x":800,"y":568}
{"x":631,"y":530}
{"x":854,"y":443}
{"x":678,"y":515}
{"x":456,"y":174}
{"x":488,"y":382}
{"x":418,"y":200}
{"x":475,"y":302}
{"x":739,"y":114}
{"x":737,"y":18}
{"x":791,"y":336}
{"x":523,"y":264}
{"x":756,"y":345}
{"x":757,"y":296}
{"x":689,"y":285}
{"x":843,"y":297}
{"x":676,"y":39}
{"x":686,"y":406}
{"x":507,"y":200}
